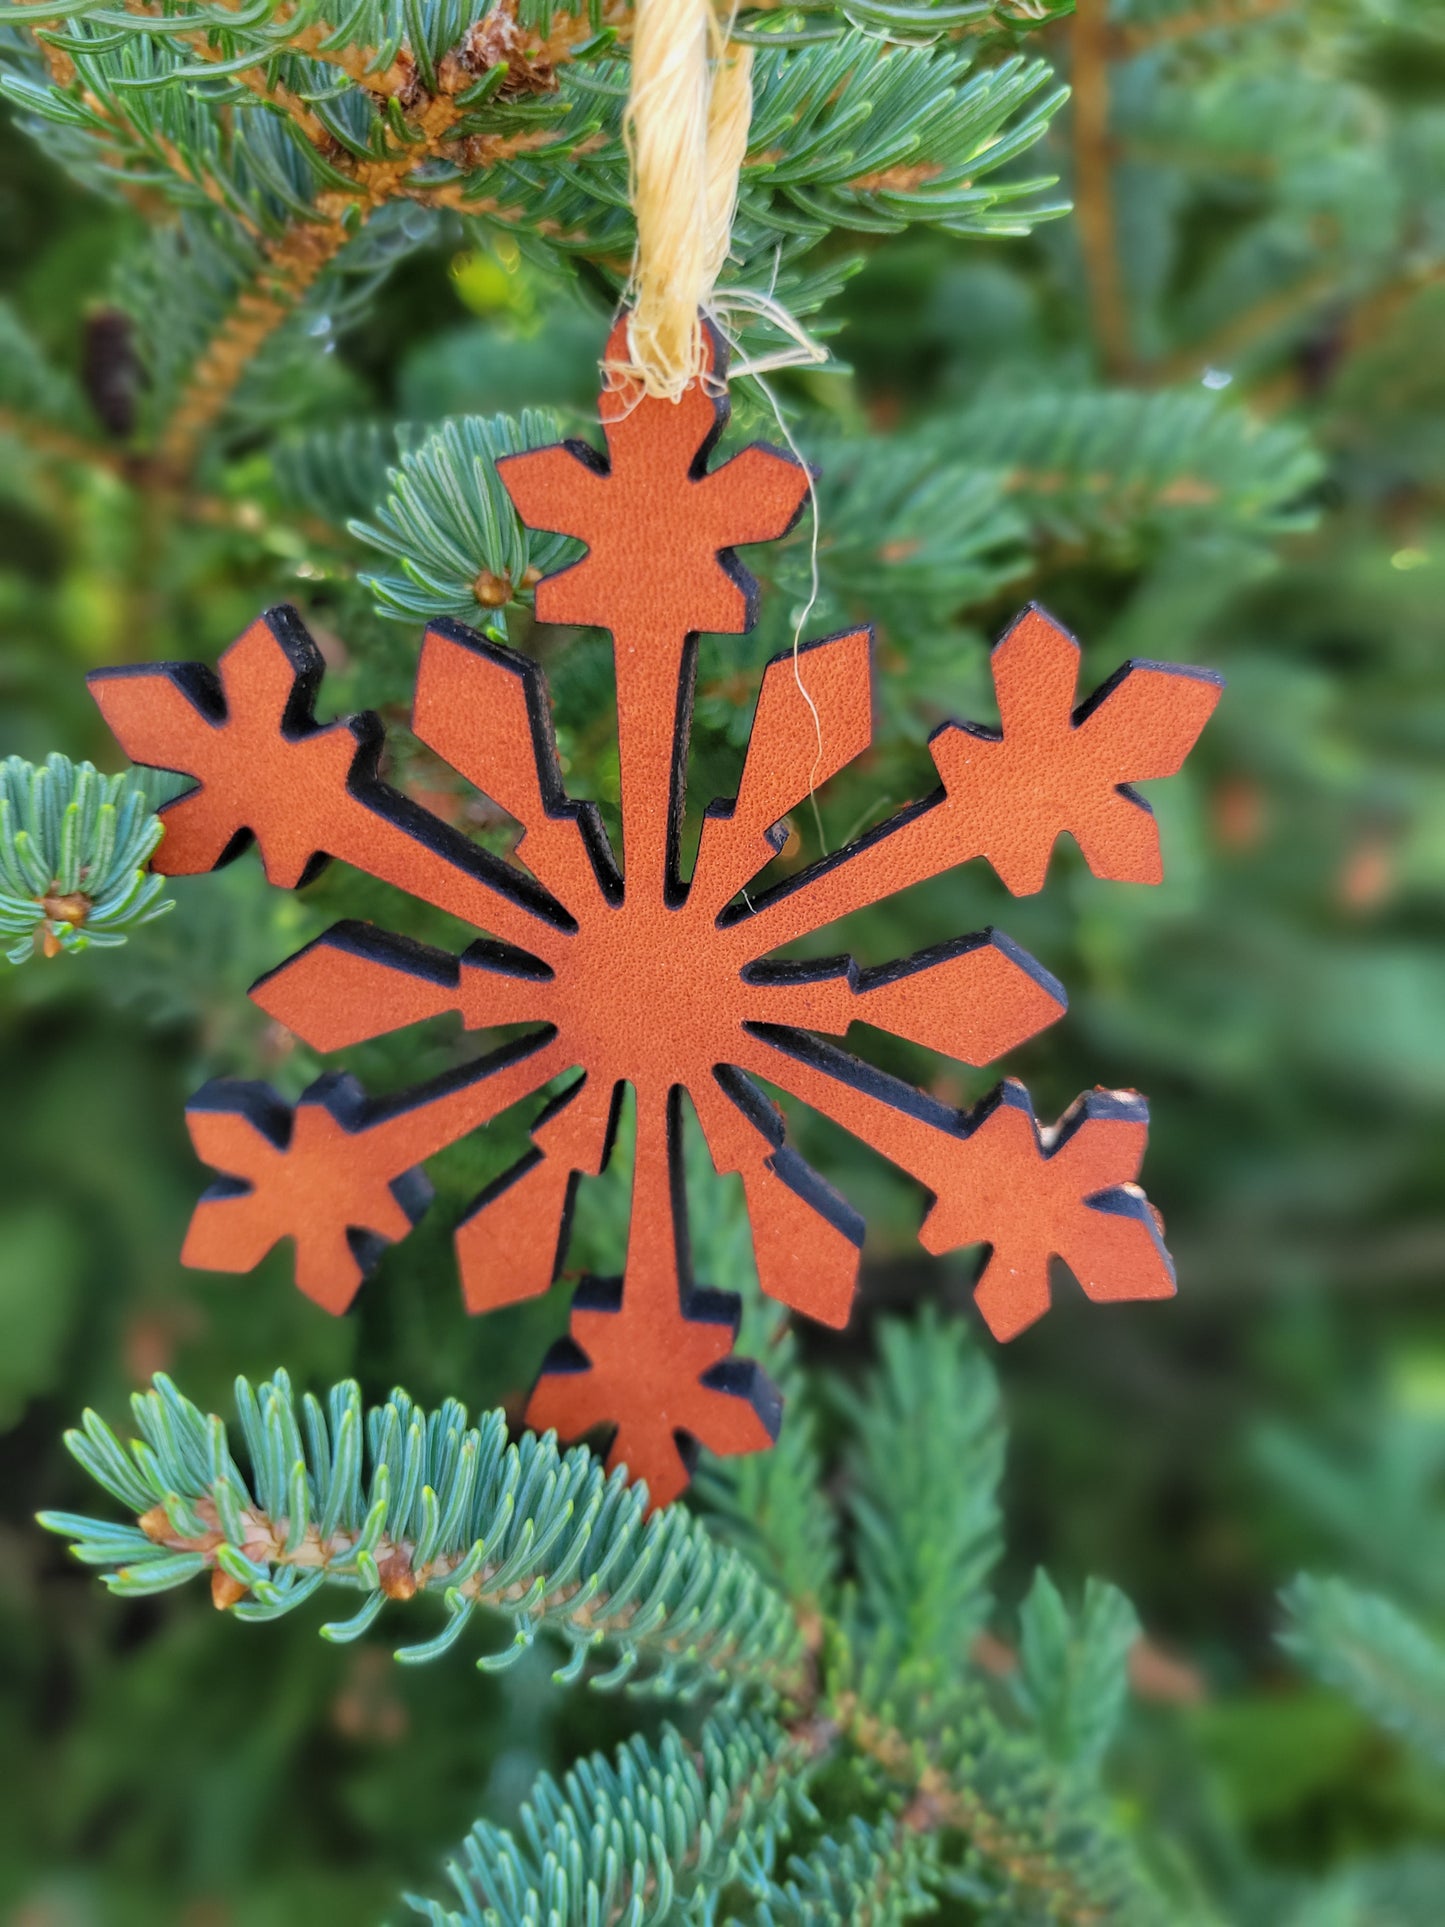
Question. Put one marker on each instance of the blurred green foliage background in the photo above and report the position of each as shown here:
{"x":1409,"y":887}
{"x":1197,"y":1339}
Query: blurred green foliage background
{"x":1203,"y":421}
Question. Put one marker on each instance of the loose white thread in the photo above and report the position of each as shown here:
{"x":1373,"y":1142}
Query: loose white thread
{"x":807,"y":609}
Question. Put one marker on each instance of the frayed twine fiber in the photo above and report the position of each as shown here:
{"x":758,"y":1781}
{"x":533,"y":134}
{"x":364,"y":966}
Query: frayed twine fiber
{"x":686,"y":131}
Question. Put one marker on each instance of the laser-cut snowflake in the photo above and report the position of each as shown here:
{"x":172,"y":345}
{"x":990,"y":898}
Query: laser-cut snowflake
{"x":645,"y":980}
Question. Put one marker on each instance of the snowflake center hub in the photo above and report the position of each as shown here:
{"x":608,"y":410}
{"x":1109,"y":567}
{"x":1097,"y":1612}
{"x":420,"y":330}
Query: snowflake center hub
{"x":660,"y":994}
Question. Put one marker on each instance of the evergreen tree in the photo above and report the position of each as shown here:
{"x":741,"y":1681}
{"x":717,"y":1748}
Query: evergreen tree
{"x":1132,"y":309}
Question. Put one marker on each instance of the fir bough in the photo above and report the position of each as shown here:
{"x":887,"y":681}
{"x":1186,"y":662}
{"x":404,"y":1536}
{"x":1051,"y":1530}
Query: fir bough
{"x":810,"y":1690}
{"x":1379,"y":1657}
{"x":306,"y":155}
{"x":75,"y":849}
{"x":396,"y":1502}
{"x":652,"y":1836}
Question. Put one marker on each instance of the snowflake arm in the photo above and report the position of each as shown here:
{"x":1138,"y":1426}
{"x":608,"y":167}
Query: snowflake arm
{"x":973,"y":998}
{"x":1007,"y":795}
{"x":651,"y":1355}
{"x":996,"y":1178}
{"x":806,"y":1236}
{"x":484,"y":709}
{"x":660,"y":528}
{"x":339,"y":1173}
{"x":266,"y":769}
{"x":502,"y":1256}
{"x":355,"y":982}
{"x":814,"y":716}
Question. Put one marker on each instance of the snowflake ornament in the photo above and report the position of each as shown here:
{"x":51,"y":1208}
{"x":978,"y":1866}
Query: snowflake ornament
{"x":632,"y":975}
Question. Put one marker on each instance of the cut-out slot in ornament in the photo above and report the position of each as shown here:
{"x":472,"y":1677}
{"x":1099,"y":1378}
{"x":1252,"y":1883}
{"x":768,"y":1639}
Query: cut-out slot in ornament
{"x":630,"y":977}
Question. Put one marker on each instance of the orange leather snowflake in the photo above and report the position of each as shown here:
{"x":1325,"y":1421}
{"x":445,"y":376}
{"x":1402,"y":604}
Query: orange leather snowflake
{"x":637,"y":976}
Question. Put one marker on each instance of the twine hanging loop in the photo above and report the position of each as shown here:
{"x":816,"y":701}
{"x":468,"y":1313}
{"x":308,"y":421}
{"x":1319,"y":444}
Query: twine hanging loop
{"x":686,"y":132}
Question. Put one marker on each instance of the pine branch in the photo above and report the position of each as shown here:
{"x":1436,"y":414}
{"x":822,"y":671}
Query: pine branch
{"x":1130,"y":470}
{"x":1376,"y":1495}
{"x":1043,"y":1844}
{"x":395,"y":1503}
{"x":924,"y":1469}
{"x":287,"y":270}
{"x":1000,"y":22}
{"x":75,"y":849}
{"x":450,"y":525}
{"x":516,"y":125}
{"x":57,"y":444}
{"x":290,"y":265}
{"x":184,"y":285}
{"x":917,"y":516}
{"x":1190,"y":22}
{"x":1275,"y":314}
{"x":634,"y":1840}
{"x":1073,"y":1675}
{"x":1400,"y":1889}
{"x":1363,"y":326}
{"x":1093,"y":187}
{"x":1378,"y":1657}
{"x":873,"y":1876}
{"x":945,"y":516}
{"x":368,"y":46}
{"x":924,"y":1473}
{"x":869,"y":139}
{"x":37,"y":396}
{"x":1371,"y":318}
{"x":337,"y":474}
{"x":349,"y":183}
{"x":42,"y":407}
